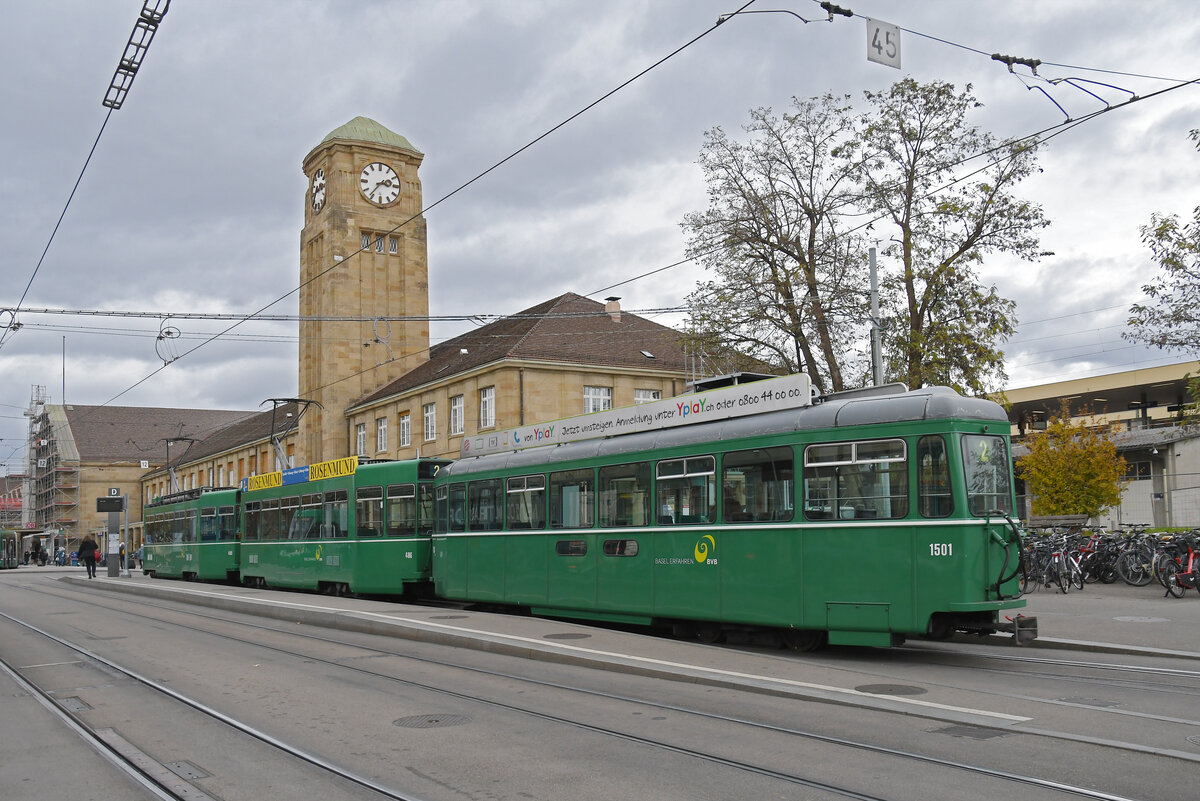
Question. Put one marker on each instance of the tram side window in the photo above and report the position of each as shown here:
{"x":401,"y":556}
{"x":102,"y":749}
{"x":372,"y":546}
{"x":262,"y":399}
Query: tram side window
{"x":988,"y":474}
{"x":572,"y":499}
{"x":856,"y":480}
{"x":289,"y":508}
{"x":425,"y":509}
{"x":337,"y":515}
{"x":758,"y":485}
{"x":401,"y":510}
{"x":485,"y":503}
{"x":251,"y":525}
{"x":934,"y":498}
{"x":189,"y":525}
{"x":270,"y":527}
{"x":527,"y":502}
{"x":624,"y":494}
{"x":456,"y":507}
{"x":687,"y":491}
{"x":306,"y":524}
{"x":368,"y":511}
{"x":210,"y":528}
{"x":227,"y":524}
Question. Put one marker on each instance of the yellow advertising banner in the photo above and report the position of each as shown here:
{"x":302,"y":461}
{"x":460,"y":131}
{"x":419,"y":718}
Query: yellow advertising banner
{"x":265,"y":481}
{"x":333,"y":469}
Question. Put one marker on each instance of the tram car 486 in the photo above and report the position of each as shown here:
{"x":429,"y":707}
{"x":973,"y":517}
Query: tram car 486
{"x":341,"y":527}
{"x":861,"y":519}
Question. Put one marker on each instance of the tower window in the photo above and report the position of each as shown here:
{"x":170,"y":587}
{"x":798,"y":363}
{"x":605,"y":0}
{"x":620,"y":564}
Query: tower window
{"x":378,"y":243}
{"x":393,"y":245}
{"x":366,"y":241}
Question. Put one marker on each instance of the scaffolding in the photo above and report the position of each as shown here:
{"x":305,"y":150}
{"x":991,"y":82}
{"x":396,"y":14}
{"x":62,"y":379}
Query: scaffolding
{"x":51,"y":492}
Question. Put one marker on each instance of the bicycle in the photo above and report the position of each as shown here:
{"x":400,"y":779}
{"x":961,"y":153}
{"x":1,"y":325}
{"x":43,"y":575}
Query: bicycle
{"x":1179,"y":571}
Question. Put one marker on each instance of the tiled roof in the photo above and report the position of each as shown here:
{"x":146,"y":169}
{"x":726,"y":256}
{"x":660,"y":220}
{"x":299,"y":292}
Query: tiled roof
{"x":568,"y":329}
{"x":253,"y":427}
{"x":133,"y":433}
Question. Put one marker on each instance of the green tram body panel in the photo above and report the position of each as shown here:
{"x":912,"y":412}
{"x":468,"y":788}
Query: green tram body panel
{"x":343,"y":532}
{"x":860,"y":578}
{"x":193,"y":534}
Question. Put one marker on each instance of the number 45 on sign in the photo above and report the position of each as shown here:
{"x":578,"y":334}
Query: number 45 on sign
{"x":883,"y":43}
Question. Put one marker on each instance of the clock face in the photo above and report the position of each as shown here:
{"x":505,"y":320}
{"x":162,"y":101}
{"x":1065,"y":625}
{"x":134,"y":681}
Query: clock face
{"x":379,"y":183}
{"x":318,"y":190}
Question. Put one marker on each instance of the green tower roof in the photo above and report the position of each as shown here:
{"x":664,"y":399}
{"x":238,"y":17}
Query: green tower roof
{"x":364,"y":129}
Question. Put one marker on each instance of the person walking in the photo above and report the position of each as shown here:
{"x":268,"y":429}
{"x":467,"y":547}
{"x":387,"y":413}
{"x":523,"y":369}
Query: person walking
{"x":87,"y":552}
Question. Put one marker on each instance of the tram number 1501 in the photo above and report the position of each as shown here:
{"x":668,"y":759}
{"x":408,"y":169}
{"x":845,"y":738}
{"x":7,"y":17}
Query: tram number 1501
{"x":941,"y":549}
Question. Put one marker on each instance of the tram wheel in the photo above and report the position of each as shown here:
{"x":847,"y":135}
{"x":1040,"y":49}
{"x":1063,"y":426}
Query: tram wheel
{"x":709,"y":634}
{"x":803,"y":640}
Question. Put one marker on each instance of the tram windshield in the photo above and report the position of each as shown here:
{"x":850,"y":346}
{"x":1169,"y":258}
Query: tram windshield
{"x":988,"y":474}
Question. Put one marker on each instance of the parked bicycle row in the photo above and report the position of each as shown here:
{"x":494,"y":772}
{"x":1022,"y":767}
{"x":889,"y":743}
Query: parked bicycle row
{"x":1064,"y":560}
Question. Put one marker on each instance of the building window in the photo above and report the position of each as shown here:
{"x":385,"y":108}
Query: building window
{"x":366,"y":241}
{"x":430,"y":410}
{"x":456,"y":415}
{"x":378,"y":243}
{"x":1138,"y":471}
{"x":487,"y":407}
{"x":596,"y":399}
{"x":405,"y":431}
{"x":360,"y":439}
{"x":381,"y":443}
{"x":646,"y":395}
{"x":393,"y":245}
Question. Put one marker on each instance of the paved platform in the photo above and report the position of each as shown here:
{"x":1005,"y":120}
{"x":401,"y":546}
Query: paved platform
{"x":1101,"y":619}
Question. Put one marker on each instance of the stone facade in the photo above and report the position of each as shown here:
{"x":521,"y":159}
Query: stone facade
{"x":522,"y":392}
{"x":360,"y":259}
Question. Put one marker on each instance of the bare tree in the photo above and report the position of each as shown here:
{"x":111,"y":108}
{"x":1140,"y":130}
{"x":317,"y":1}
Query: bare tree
{"x":789,"y":285}
{"x":941,"y":326}
{"x":1172,"y":318}
{"x":784,"y":236}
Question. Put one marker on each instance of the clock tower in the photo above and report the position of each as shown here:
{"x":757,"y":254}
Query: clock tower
{"x":364,"y":277}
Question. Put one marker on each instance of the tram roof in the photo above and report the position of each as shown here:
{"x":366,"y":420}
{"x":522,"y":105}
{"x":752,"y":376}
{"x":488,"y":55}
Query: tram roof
{"x":835,"y":411}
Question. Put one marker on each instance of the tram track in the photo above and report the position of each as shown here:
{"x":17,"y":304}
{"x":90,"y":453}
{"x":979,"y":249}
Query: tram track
{"x":140,"y":772}
{"x":811,"y":736}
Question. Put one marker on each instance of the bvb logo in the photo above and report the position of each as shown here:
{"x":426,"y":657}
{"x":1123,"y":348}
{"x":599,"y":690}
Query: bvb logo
{"x":318,"y":553}
{"x":705,"y":546}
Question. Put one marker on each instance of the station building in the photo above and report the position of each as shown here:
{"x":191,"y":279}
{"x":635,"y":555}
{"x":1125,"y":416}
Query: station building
{"x":1144,"y":409}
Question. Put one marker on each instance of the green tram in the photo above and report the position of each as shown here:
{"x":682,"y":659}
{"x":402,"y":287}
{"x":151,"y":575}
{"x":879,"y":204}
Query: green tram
{"x":341,"y":527}
{"x":861,"y":519}
{"x":10,"y":547}
{"x":192,"y":535}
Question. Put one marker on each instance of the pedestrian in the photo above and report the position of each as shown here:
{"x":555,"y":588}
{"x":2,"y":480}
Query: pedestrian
{"x":87,"y":552}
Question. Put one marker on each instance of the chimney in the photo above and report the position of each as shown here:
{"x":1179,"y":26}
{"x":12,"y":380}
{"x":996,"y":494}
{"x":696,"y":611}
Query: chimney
{"x":613,"y":307}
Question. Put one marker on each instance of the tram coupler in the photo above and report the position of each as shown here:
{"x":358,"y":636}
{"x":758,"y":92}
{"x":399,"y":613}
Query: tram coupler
{"x":1023,"y":629}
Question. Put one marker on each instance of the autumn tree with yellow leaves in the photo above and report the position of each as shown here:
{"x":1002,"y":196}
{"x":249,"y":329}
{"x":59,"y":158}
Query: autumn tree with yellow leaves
{"x":1072,"y":468}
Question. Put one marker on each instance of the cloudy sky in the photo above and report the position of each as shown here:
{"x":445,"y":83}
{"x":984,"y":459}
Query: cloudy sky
{"x":193,"y":198}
